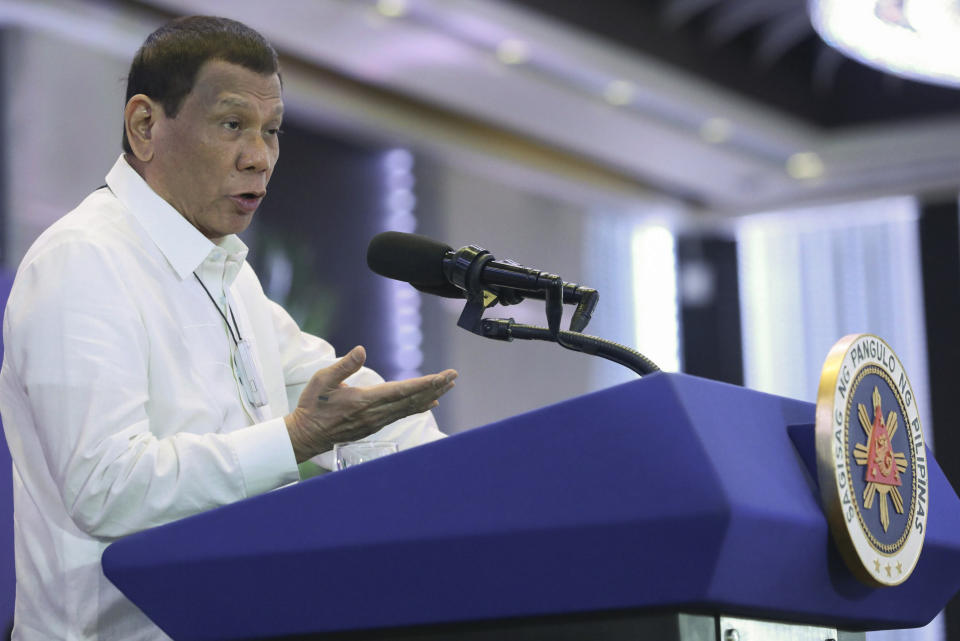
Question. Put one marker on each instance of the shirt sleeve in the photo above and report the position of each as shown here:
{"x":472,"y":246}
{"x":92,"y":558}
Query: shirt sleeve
{"x":303,"y":354}
{"x":81,"y":352}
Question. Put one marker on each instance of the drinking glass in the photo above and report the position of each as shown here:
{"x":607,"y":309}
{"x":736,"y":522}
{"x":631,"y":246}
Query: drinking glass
{"x":357,"y":452}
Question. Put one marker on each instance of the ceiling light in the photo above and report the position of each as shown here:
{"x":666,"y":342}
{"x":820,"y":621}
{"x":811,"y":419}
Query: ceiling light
{"x":392,"y":8}
{"x":805,"y":165}
{"x":512,"y":52}
{"x":716,"y":130}
{"x":916,"y":39}
{"x":619,"y":93}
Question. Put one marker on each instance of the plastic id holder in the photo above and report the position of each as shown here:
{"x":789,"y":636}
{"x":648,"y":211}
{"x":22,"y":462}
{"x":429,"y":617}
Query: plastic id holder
{"x":249,"y":375}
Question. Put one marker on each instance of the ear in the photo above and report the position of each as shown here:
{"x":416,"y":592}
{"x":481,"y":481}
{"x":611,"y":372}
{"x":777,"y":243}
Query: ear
{"x":140,"y":117}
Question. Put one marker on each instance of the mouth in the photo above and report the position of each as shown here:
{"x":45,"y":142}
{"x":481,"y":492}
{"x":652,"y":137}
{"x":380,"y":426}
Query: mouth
{"x":248,"y":201}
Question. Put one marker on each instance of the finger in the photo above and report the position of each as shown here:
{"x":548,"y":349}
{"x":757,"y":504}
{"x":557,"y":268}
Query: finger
{"x":392,"y":401}
{"x":433,"y":384}
{"x":332,"y":377}
{"x":386,"y":414}
{"x":392,"y":407}
{"x":445,"y":381}
{"x":449,"y":375}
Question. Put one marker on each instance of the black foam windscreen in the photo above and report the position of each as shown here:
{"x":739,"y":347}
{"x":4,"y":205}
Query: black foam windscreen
{"x":412,"y":258}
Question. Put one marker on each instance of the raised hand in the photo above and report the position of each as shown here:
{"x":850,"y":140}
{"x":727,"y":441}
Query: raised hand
{"x":330,"y":411}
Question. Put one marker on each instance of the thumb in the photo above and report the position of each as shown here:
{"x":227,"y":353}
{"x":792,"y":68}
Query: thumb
{"x":333,"y":376}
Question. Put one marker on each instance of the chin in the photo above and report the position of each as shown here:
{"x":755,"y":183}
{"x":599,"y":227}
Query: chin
{"x":236,"y":225}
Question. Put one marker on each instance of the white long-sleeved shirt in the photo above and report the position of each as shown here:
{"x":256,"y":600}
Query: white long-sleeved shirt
{"x":120,"y":402}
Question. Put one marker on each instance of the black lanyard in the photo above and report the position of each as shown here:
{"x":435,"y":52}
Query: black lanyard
{"x":236,"y":339}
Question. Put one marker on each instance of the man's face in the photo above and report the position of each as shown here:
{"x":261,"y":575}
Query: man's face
{"x":214,"y":160}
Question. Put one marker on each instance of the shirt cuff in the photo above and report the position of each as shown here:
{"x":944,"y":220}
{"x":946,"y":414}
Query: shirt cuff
{"x":266,"y":456}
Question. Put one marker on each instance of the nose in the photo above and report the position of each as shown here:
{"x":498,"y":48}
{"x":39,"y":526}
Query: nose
{"x":255,"y":155}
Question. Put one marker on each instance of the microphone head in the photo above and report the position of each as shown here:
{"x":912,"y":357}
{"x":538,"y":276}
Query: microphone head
{"x":412,"y":258}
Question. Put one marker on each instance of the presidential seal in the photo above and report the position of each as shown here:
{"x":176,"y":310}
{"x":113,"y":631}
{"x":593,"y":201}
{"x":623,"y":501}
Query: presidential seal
{"x":871,"y":460}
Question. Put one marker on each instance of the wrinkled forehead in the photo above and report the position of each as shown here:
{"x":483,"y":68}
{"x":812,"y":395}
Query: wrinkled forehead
{"x":222,"y":84}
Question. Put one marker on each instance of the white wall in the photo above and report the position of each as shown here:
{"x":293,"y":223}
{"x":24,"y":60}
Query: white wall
{"x":62,"y":129}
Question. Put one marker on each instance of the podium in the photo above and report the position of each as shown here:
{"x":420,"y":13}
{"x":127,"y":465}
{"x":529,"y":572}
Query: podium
{"x":654,"y":509}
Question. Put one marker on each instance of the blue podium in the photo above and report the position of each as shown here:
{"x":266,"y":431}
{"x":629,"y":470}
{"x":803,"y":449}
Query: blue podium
{"x":663,"y":495}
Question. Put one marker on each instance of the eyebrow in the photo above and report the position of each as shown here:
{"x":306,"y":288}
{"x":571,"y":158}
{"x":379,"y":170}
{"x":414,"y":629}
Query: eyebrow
{"x":240,"y":103}
{"x":233,"y":102}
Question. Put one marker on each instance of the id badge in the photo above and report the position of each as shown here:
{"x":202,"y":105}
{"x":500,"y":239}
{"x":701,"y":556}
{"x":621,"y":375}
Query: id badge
{"x":249,"y":375}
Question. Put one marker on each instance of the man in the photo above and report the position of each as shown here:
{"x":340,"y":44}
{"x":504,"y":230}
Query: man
{"x":147,"y":377}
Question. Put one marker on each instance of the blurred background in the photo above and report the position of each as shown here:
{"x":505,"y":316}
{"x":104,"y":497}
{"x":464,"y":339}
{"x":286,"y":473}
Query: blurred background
{"x":741,"y":193}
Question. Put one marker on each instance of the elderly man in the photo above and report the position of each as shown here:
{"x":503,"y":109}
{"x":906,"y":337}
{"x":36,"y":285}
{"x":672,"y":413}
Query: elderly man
{"x":147,"y":377}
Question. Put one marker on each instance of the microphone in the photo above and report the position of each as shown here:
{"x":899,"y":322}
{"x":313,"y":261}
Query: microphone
{"x":414,"y":259}
{"x":435,"y":268}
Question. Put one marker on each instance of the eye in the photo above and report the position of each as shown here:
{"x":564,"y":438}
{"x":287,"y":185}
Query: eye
{"x":275,"y":131}
{"x":232,"y":125}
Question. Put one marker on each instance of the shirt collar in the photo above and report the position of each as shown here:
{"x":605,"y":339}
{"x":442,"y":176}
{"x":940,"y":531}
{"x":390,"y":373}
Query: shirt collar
{"x":184,"y":247}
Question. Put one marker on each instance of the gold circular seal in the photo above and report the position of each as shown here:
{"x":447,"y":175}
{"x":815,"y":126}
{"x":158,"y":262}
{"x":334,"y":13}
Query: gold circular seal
{"x":871,"y":460}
